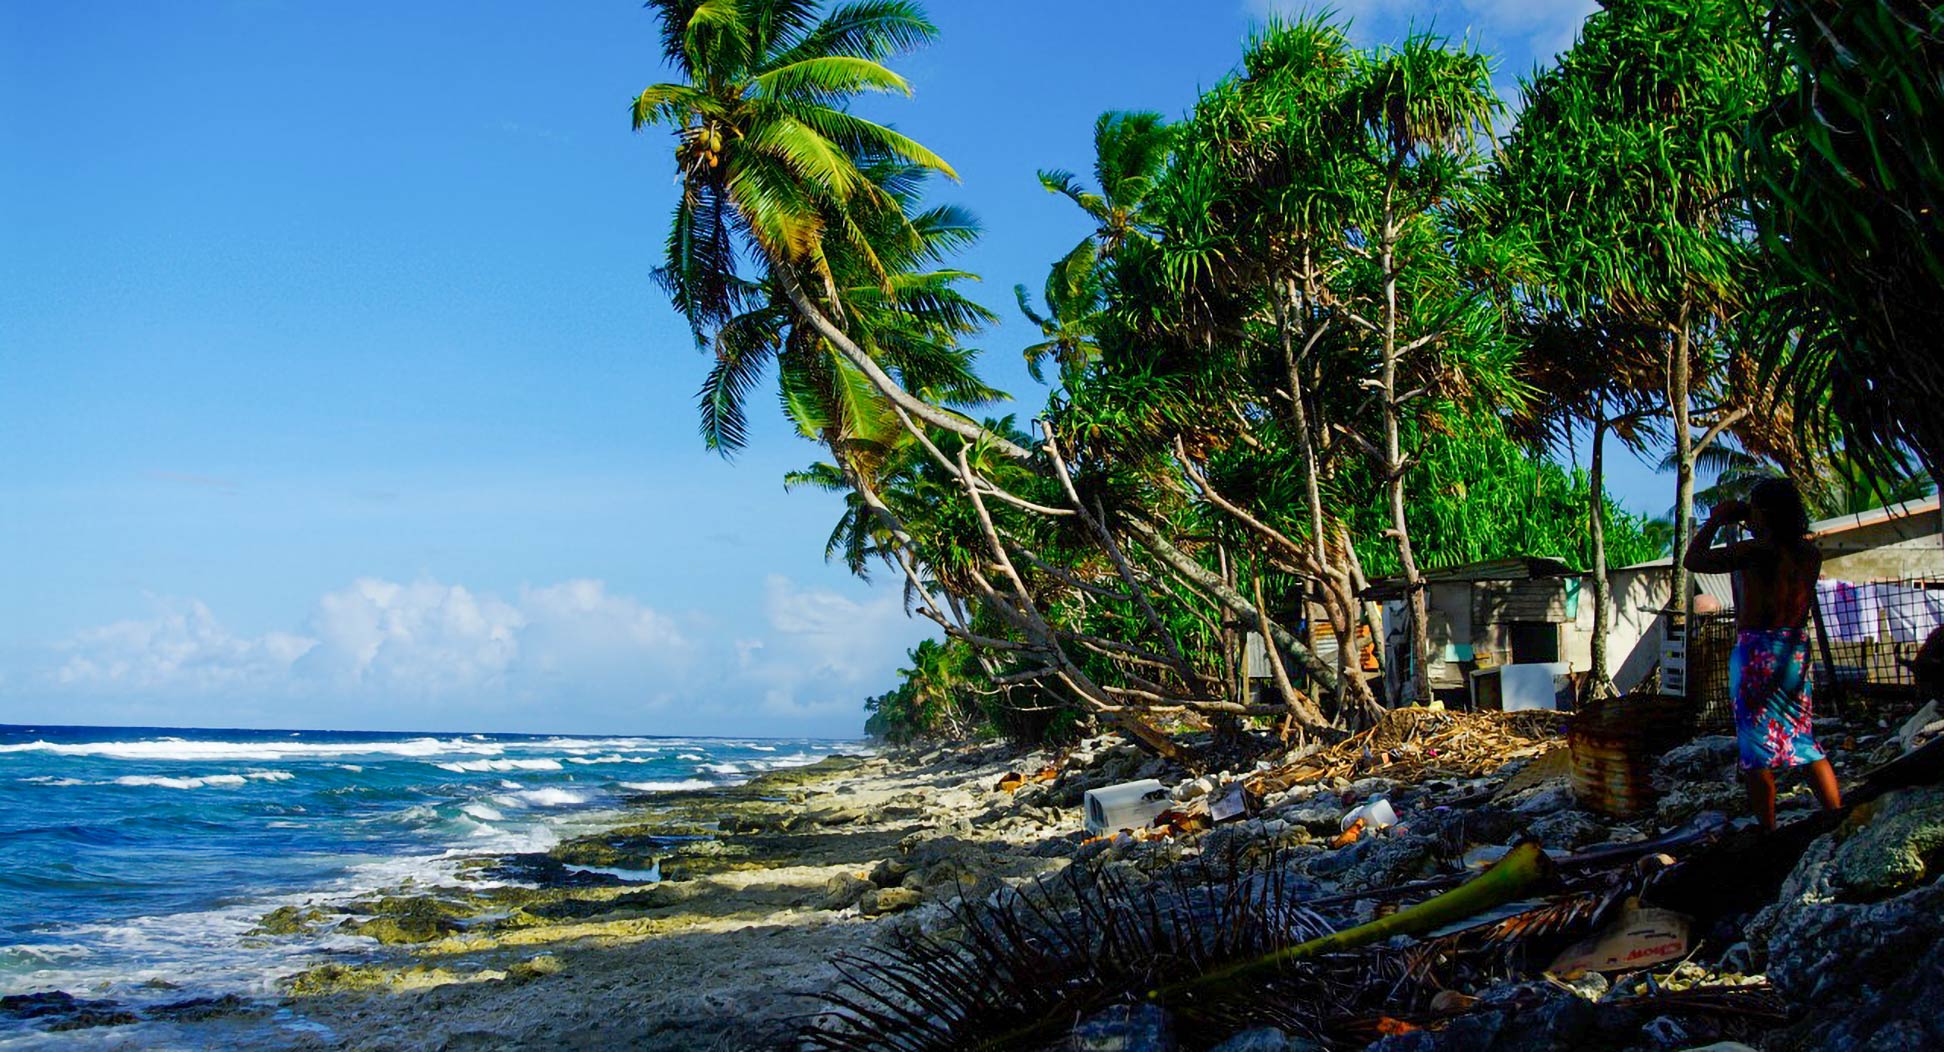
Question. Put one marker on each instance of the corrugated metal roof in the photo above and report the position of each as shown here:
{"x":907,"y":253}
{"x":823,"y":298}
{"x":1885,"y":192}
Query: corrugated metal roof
{"x":1519,"y":569}
{"x":1845,"y":523}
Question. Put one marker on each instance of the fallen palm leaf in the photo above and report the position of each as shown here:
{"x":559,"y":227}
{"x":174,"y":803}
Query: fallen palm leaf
{"x":1512,"y":877}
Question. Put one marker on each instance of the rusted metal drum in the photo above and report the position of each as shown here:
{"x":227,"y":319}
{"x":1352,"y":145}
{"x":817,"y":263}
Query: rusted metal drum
{"x":1613,"y":747}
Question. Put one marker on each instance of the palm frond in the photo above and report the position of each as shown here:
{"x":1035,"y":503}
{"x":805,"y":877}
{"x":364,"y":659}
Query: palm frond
{"x":828,"y":79}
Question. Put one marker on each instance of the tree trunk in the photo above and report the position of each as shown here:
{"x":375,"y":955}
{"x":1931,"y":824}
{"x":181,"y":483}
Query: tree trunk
{"x":1302,"y":711}
{"x":1229,"y":599}
{"x":882,"y":380}
{"x":1602,"y":685}
{"x":1418,"y":676}
{"x":1682,"y":599}
{"x":1305,"y":446}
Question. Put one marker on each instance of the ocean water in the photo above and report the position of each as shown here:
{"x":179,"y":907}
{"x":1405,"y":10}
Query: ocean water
{"x":131,"y":858}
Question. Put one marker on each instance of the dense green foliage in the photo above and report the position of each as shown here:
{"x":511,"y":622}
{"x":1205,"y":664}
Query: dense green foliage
{"x":1323,"y":329}
{"x":1847,"y":166}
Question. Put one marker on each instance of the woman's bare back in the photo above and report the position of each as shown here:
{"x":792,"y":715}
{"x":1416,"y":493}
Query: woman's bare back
{"x":1778,"y":582}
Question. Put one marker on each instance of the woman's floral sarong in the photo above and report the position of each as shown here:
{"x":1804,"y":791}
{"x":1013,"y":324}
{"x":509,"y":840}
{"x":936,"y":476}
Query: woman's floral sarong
{"x":1769,"y":679}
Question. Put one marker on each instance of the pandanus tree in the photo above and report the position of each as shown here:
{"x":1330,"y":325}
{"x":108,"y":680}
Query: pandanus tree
{"x":1623,"y":173}
{"x":1423,"y":108}
{"x":1238,"y":299}
{"x":1846,"y":170}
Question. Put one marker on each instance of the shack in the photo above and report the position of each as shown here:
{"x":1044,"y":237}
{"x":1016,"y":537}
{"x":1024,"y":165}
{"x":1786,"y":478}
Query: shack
{"x":1518,"y":633}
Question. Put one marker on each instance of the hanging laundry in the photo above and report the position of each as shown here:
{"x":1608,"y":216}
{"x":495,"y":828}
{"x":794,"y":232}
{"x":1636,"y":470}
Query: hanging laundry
{"x":1849,"y":611}
{"x":1911,"y":613}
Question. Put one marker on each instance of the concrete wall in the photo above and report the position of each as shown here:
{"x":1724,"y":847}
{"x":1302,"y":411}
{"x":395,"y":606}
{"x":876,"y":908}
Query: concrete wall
{"x":1633,"y":644}
{"x":1893,"y":550}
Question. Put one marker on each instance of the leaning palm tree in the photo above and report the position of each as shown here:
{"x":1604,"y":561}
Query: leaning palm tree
{"x":774,"y":165}
{"x":906,"y":310}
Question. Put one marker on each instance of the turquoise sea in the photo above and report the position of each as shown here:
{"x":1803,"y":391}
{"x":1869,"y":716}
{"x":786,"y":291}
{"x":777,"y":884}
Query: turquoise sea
{"x":134,"y":861}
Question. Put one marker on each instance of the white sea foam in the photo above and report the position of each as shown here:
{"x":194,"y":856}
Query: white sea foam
{"x":179,"y":749}
{"x":689,"y":756}
{"x":48,"y":779}
{"x":793,"y":760}
{"x":720,"y":768}
{"x":763,"y":748}
{"x":669,"y":787}
{"x":179,"y":783}
{"x":547,"y":797}
{"x":417,"y":814}
{"x":463,"y":766}
{"x":270,"y":776}
{"x":585,"y":745}
{"x":484,"y":813}
{"x":651,"y":875}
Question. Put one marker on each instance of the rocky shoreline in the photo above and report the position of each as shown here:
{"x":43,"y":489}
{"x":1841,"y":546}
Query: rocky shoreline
{"x":710,"y":919}
{"x":695,"y":924}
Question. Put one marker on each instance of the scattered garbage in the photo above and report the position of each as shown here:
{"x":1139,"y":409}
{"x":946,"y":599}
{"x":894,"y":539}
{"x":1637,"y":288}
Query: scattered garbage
{"x":1231,"y":802}
{"x":1129,"y":805}
{"x":1928,"y":723}
{"x":1499,"y":846}
{"x":1638,"y":938}
{"x":1377,"y":814}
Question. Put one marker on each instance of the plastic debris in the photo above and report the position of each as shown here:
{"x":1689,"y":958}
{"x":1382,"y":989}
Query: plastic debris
{"x":1129,"y":805}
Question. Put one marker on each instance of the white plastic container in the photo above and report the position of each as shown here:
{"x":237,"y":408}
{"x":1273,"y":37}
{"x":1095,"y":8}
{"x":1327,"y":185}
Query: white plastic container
{"x":1129,"y":805}
{"x":1377,"y":814}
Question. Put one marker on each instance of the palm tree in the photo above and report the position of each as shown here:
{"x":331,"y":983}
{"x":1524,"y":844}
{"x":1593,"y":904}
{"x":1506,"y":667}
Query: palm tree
{"x":1074,"y":296}
{"x":775,"y":167}
{"x":910,"y":315}
{"x":1833,"y":483}
{"x":1130,"y":150}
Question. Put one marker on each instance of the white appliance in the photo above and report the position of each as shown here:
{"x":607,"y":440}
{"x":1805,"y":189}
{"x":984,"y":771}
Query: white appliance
{"x":1129,"y":805}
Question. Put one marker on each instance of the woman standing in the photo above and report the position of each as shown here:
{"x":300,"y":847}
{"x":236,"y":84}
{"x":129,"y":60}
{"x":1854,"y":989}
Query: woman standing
{"x":1769,"y":673}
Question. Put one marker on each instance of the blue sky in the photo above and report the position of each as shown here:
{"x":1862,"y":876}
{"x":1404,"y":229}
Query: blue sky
{"x":334,"y":392}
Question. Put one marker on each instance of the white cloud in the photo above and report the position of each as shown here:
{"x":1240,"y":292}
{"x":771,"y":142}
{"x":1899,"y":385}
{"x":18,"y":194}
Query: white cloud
{"x":421,"y":638}
{"x":825,"y":651}
{"x":181,"y":645}
{"x":433,"y":654}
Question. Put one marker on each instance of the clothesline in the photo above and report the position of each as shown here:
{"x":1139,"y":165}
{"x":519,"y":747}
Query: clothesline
{"x":1858,"y":612}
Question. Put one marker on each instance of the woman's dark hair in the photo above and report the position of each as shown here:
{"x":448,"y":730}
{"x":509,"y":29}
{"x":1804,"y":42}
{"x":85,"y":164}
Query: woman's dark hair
{"x":1781,"y":506}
